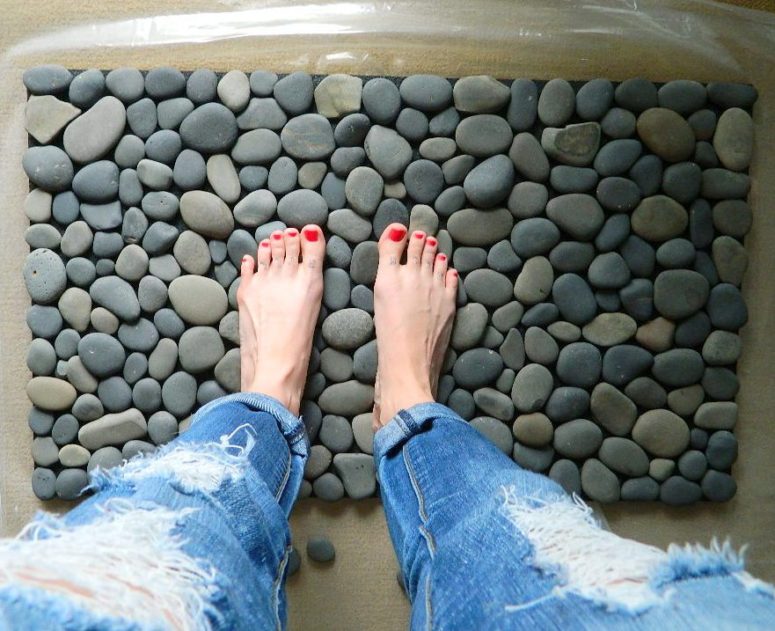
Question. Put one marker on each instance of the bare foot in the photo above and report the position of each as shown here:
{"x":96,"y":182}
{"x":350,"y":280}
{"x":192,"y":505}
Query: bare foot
{"x":279,"y":300}
{"x":414,"y":306}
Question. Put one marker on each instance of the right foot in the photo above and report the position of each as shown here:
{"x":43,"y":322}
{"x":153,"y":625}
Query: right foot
{"x":414,"y":307}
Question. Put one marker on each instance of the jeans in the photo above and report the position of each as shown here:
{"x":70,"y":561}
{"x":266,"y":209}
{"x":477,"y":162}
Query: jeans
{"x":196,"y":536}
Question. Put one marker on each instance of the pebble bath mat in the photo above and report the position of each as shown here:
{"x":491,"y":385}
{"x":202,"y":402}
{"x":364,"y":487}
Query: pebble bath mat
{"x":597,"y":228}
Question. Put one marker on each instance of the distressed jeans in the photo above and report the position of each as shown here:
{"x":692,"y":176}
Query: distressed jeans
{"x":196,"y":536}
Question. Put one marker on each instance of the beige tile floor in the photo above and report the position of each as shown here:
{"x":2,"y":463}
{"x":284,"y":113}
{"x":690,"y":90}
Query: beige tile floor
{"x":359,"y":591}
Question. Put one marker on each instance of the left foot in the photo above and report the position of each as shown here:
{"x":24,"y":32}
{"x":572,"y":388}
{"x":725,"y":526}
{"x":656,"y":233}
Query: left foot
{"x":279,"y":301}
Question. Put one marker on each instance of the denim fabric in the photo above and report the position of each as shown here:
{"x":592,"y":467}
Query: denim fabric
{"x":236,"y":530}
{"x":198,"y":534}
{"x":476,"y":552}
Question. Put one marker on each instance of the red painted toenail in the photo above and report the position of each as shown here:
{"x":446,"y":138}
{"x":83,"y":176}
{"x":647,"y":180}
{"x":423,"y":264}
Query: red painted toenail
{"x":265,"y":244}
{"x":292,"y":232}
{"x":277,"y":235}
{"x":310,"y":234}
{"x":431,"y":241}
{"x":454,"y":272}
{"x":441,"y":257}
{"x":419,"y":235}
{"x":396,"y":234}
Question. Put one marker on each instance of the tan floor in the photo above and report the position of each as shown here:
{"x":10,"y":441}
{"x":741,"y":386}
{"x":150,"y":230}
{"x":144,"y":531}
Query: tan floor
{"x":360,"y":591}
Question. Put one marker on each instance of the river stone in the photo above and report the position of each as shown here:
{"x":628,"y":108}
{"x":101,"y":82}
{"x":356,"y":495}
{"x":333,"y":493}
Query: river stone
{"x":357,"y":474}
{"x":388,"y":152}
{"x":556,"y":103}
{"x":721,"y":348}
{"x":666,"y":133}
{"x":577,"y":214}
{"x":347,"y":399}
{"x":678,"y":491}
{"x":534,"y":430}
{"x":475,"y":227}
{"x":721,"y":450}
{"x":534,"y":282}
{"x":469,"y":326}
{"x":153,"y":174}
{"x":594,"y":99}
{"x":609,"y":329}
{"x":659,"y":218}
{"x":477,"y":367}
{"x":716,"y":415}
{"x":612,"y":409}
{"x":96,"y":131}
{"x":308,"y":137}
{"x":575,"y":145}
{"x":720,"y":383}
{"x":599,"y":482}
{"x":531,"y":458}
{"x":532,"y":387}
{"x":618,"y":123}
{"x":732,"y":217}
{"x":48,"y":167}
{"x":335,"y":365}
{"x":45,"y":116}
{"x":66,"y":345}
{"x":680,"y":293}
{"x":206,"y":214}
{"x":70,"y":483}
{"x":488,"y":287}
{"x":727,"y":94}
{"x":338,"y":94}
{"x":733,"y":140}
{"x":623,"y":363}
{"x":682,"y":96}
{"x":318,"y":462}
{"x":198,"y":299}
{"x":348,"y":329}
{"x":381,"y":100}
{"x":178,"y":393}
{"x":726,"y":307}
{"x":113,"y":429}
{"x":363,"y":190}
{"x":301,"y":207}
{"x":44,"y":276}
{"x":484,"y":135}
{"x":661,"y":433}
{"x":210,"y":128}
{"x":636,"y":94}
{"x":577,"y":439}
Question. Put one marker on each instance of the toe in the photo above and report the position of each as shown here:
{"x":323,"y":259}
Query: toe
{"x":440,"y":268}
{"x":429,"y":254}
{"x":278,"y":248}
{"x":451,"y":282}
{"x":391,"y":245}
{"x":247,"y":267}
{"x":414,"y":248}
{"x":313,"y":247}
{"x":264,"y":256}
{"x":292,"y":248}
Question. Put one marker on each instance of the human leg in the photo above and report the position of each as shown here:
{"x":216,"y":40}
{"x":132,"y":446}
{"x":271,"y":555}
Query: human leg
{"x":484,"y":544}
{"x":196,"y":535}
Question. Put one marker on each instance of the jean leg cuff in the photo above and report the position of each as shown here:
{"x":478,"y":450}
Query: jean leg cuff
{"x":291,"y":426}
{"x":407,"y":423}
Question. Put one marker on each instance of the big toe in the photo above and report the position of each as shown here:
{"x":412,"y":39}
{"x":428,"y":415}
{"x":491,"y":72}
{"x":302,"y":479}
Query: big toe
{"x":392,"y":244}
{"x":313,"y":247}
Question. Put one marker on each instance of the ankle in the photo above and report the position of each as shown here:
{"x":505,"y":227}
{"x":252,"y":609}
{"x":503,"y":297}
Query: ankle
{"x":402,"y":398}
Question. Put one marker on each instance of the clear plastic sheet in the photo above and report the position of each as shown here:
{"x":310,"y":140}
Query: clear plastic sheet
{"x":575,"y":39}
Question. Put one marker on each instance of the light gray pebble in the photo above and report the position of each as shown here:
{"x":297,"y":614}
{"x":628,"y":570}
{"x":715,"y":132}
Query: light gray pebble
{"x":44,"y":275}
{"x":66,"y":343}
{"x":162,"y":427}
{"x":556,"y":103}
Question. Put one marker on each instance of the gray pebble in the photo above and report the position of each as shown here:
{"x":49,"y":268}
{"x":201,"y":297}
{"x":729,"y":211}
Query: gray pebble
{"x":488,"y":287}
{"x":363,"y":190}
{"x":579,"y":364}
{"x":532,"y":387}
{"x":190,"y":170}
{"x":599,"y":482}
{"x":47,"y":79}
{"x":347,"y":399}
{"x":66,"y":343}
{"x":162,"y":427}
{"x":594,"y":99}
{"x":682,"y":96}
{"x":357,"y":474}
{"x":308,"y":137}
{"x":65,"y":429}
{"x":48,"y":167}
{"x":677,"y":491}
{"x":556,"y":103}
{"x":477,"y":367}
{"x":531,"y":458}
{"x":618,"y":123}
{"x":43,"y":483}
{"x":171,"y":112}
{"x":578,"y":439}
{"x":348,"y":329}
{"x":636,"y":94}
{"x":484,"y":135}
{"x":164,"y":82}
{"x":141,"y":117}
{"x":617,"y":156}
{"x":522,"y":110}
{"x":348,"y":225}
{"x":115,"y":394}
{"x":210,"y":128}
{"x":70,"y":483}
{"x":565,"y":179}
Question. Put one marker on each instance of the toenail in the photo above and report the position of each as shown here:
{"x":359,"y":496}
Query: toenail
{"x":310,"y":234}
{"x":396,"y":234}
{"x":277,"y":235}
{"x":265,"y":244}
{"x":441,"y":257}
{"x":292,"y":232}
{"x":431,"y":241}
{"x":419,"y":234}
{"x":454,"y":272}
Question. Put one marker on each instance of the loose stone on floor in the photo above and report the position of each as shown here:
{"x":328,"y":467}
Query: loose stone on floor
{"x":598,"y":229}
